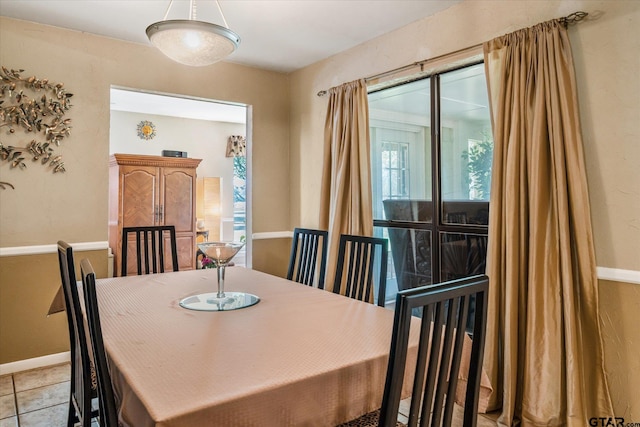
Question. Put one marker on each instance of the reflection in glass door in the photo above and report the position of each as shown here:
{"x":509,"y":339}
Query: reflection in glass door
{"x":431,"y":200}
{"x":398,"y":175}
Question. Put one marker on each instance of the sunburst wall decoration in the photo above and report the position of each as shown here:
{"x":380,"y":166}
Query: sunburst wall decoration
{"x":146,"y":130}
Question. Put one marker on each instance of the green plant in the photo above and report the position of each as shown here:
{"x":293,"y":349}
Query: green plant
{"x":479,"y":158}
{"x":239,"y":172}
{"x":208,"y":263}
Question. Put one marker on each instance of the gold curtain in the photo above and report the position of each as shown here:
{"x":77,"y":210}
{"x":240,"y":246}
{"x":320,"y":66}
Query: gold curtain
{"x":544,"y":350}
{"x":345,"y":200}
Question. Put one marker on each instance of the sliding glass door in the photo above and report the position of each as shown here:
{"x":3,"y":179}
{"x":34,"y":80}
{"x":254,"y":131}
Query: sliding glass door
{"x":431,"y":157}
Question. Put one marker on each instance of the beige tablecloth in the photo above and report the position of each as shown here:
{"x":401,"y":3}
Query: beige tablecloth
{"x":300,"y":357}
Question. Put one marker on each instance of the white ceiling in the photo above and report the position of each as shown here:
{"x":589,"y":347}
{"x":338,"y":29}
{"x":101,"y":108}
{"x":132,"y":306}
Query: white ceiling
{"x":463,"y":96}
{"x":165,"y":105}
{"x":279,"y":35}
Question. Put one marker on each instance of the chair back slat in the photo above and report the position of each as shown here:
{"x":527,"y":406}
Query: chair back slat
{"x":308,"y":257}
{"x":355,"y":270}
{"x":150,"y":253}
{"x":444,"y":309}
{"x":150,"y":248}
{"x":305,"y":270}
{"x":461,"y":310}
{"x":139,"y":247}
{"x":444,"y":371}
{"x":368,"y":259}
{"x":160,"y":242}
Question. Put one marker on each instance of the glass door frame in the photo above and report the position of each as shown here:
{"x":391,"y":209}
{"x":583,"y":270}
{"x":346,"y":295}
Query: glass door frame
{"x":437,"y":227}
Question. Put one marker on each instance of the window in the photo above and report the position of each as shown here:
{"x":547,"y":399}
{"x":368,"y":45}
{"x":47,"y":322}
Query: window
{"x":395,"y":170}
{"x":431,"y":157}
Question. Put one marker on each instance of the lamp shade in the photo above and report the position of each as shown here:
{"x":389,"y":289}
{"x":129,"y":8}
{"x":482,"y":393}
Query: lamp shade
{"x":193,"y":43}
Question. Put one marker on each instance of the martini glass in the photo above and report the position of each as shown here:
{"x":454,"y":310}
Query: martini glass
{"x":221,"y":253}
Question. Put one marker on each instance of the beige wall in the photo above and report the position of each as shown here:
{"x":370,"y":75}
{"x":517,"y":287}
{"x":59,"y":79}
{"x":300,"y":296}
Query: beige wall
{"x":606,"y":52}
{"x":72,"y":206}
{"x":88,"y":65}
{"x":28,"y":285}
{"x":619,"y":304}
{"x":272,"y":255}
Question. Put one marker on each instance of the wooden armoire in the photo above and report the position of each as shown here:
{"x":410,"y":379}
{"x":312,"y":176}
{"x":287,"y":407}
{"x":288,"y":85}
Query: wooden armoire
{"x":153,"y":190}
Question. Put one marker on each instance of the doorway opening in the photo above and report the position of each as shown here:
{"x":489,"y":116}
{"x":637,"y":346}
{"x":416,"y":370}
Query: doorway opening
{"x":200,"y":128}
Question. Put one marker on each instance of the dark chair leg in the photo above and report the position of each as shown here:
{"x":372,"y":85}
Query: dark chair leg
{"x":72,"y":419}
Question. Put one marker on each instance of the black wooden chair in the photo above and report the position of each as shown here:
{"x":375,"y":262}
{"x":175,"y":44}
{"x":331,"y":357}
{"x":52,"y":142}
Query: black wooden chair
{"x":355,"y":268}
{"x":83,"y":379}
{"x":307,"y":249}
{"x":108,"y":412}
{"x":150,"y":248}
{"x":445,"y":308}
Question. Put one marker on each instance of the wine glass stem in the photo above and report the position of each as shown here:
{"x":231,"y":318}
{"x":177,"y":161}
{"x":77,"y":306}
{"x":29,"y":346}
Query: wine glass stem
{"x":220,"y":280}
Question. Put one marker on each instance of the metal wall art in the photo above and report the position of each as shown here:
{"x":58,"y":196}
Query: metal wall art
{"x":146,"y":130}
{"x":22,"y":108}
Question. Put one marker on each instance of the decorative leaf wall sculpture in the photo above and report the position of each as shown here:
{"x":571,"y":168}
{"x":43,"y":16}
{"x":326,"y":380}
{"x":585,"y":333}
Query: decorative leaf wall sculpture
{"x":25,"y":109}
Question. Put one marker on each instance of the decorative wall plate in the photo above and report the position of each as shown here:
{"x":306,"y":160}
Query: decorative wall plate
{"x":146,"y":130}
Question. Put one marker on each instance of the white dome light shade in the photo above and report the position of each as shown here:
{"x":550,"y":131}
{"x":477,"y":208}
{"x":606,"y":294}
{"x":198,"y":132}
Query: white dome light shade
{"x":193,"y":43}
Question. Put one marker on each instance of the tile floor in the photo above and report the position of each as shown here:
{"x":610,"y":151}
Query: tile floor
{"x":484,"y":420}
{"x":39,"y":398}
{"x":35,"y":398}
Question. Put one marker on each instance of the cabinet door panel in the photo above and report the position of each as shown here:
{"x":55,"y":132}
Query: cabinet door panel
{"x":186,"y":252}
{"x":139,"y":195}
{"x":178,"y":199}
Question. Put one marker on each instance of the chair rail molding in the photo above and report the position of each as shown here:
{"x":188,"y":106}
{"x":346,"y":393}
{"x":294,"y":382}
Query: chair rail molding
{"x":51,"y":249}
{"x":604,"y":273}
{"x":619,"y":275}
{"x":272,"y":235}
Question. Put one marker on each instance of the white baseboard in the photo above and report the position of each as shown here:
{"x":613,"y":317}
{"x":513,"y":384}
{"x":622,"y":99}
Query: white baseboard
{"x":36,"y":362}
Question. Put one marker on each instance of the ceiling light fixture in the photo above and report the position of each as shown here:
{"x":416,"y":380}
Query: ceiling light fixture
{"x":192,"y":42}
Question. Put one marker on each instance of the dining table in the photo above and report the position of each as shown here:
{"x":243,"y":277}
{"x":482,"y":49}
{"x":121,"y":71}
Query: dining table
{"x":301,"y":356}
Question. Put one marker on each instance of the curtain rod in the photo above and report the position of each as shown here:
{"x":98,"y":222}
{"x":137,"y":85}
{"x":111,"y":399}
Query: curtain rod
{"x":565,"y":20}
{"x":410,"y":66}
